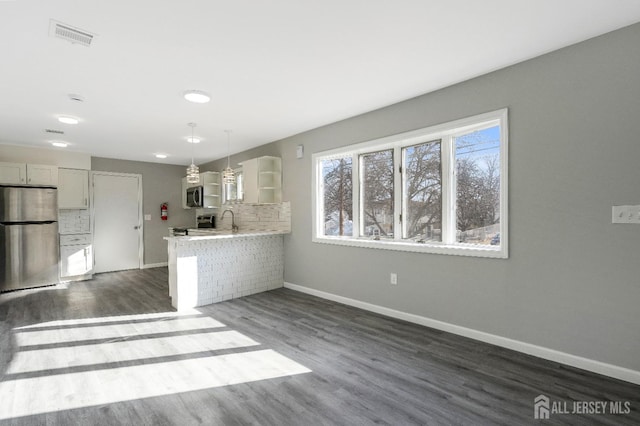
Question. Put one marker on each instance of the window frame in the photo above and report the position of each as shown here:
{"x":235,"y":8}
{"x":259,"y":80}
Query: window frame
{"x":403,"y":176}
{"x":361,"y":200}
{"x":446,"y":132}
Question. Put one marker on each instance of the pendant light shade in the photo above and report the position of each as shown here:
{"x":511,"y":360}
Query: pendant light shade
{"x":228,"y":176}
{"x":193,"y":172}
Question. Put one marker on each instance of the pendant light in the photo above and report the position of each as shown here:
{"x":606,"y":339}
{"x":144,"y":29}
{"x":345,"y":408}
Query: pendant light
{"x":228,"y":177}
{"x":193,"y":172}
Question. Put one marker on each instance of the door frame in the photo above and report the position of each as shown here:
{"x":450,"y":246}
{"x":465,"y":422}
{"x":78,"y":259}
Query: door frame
{"x":140,"y":214}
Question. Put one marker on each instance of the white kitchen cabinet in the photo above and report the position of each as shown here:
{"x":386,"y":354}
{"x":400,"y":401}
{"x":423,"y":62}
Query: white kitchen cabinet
{"x":262,"y":180}
{"x":73,"y":189}
{"x":13,"y":173}
{"x":211,"y":194}
{"x":39,"y":174}
{"x":28,"y":174}
{"x":76,"y":256}
{"x":186,"y":185}
{"x":210,"y":182}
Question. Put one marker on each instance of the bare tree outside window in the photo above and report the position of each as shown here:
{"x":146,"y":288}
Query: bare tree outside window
{"x":478,"y":187}
{"x":338,"y":196}
{"x":377,"y":193}
{"x":422,"y":186}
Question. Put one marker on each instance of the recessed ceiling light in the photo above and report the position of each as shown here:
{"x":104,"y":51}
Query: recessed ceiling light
{"x":59,"y":144}
{"x":192,"y":139}
{"x":68,"y":120}
{"x":197,"y":96}
{"x":161,"y":155}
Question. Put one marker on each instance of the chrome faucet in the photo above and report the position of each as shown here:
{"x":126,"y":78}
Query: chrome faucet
{"x":234,"y":227}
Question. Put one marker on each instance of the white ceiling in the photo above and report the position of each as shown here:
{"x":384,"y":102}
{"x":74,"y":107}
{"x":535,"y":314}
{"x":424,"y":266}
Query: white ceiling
{"x":274,"y":68}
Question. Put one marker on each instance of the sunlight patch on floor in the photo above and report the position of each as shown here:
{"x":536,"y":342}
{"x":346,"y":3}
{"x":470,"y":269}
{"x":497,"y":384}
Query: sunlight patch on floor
{"x":116,"y":318}
{"x":147,"y":357}
{"x":104,"y":353}
{"x":113,"y":331}
{"x":44,"y":394}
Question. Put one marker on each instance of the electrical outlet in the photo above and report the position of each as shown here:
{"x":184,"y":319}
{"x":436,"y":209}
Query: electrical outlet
{"x":625,"y":214}
{"x":394,"y":278}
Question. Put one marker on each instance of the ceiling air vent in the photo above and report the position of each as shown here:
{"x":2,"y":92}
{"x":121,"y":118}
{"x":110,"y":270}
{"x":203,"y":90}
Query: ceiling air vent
{"x":70,"y":34}
{"x":54,"y":131}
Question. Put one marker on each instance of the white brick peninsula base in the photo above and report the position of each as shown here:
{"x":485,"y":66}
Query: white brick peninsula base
{"x":210,"y":269}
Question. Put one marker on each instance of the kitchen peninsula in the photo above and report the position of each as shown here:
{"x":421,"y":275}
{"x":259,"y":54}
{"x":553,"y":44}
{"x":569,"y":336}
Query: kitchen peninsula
{"x":223,"y":265}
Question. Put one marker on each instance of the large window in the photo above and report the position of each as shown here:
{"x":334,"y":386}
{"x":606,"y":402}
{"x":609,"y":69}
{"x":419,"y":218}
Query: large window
{"x":441,"y":189}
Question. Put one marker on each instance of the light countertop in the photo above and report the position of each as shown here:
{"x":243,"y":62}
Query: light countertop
{"x":207,"y":234}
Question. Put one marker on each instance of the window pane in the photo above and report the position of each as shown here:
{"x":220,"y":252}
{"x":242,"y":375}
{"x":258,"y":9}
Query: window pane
{"x":232,"y":192}
{"x":478,"y":187}
{"x":422,"y":196}
{"x":338,"y":196}
{"x":377,"y":194}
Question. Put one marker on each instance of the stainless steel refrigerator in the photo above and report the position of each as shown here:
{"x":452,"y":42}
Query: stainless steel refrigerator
{"x":29,"y":252}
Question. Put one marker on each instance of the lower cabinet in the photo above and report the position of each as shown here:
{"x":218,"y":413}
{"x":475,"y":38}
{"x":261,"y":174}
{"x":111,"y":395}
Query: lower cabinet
{"x":76,"y":256}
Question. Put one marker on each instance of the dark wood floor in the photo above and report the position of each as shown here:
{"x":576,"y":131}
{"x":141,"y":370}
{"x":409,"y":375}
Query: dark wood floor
{"x":112,"y":351}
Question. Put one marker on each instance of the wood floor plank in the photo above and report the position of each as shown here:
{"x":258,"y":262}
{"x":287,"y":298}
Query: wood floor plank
{"x":112,"y":351}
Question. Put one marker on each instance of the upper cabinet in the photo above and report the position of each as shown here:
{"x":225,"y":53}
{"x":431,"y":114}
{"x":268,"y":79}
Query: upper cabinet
{"x":262,"y":180}
{"x":38,"y":174}
{"x":28,"y":174}
{"x":211,"y":194}
{"x":186,"y":185}
{"x":13,"y":173}
{"x":73,"y":189}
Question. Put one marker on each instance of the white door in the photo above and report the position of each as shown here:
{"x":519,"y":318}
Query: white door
{"x":117,"y":231}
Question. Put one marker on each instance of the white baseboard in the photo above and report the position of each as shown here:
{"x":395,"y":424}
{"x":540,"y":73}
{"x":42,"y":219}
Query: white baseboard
{"x":605,"y":369}
{"x":155,"y":265}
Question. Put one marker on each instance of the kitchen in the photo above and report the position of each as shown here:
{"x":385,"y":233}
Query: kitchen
{"x":327,"y":306}
{"x":76,"y":215}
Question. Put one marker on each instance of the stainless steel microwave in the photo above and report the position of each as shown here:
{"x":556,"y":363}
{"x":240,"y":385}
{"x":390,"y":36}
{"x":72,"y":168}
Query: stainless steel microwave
{"x":194,"y":196}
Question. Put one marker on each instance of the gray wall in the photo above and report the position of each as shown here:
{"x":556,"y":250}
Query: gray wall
{"x":572,"y":282}
{"x":221,"y":164}
{"x":160,"y":183}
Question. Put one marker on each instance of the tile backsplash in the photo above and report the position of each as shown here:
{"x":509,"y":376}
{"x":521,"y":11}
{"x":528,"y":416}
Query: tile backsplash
{"x":258,"y":217}
{"x":74,"y":222}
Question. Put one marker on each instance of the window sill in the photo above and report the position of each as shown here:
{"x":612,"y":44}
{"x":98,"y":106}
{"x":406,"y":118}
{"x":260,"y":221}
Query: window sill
{"x":472,"y":250}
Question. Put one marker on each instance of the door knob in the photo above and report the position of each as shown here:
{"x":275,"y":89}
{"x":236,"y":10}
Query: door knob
{"x":136,"y":227}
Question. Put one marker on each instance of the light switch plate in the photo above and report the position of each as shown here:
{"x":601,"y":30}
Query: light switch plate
{"x":625,"y":214}
{"x":147,"y":217}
